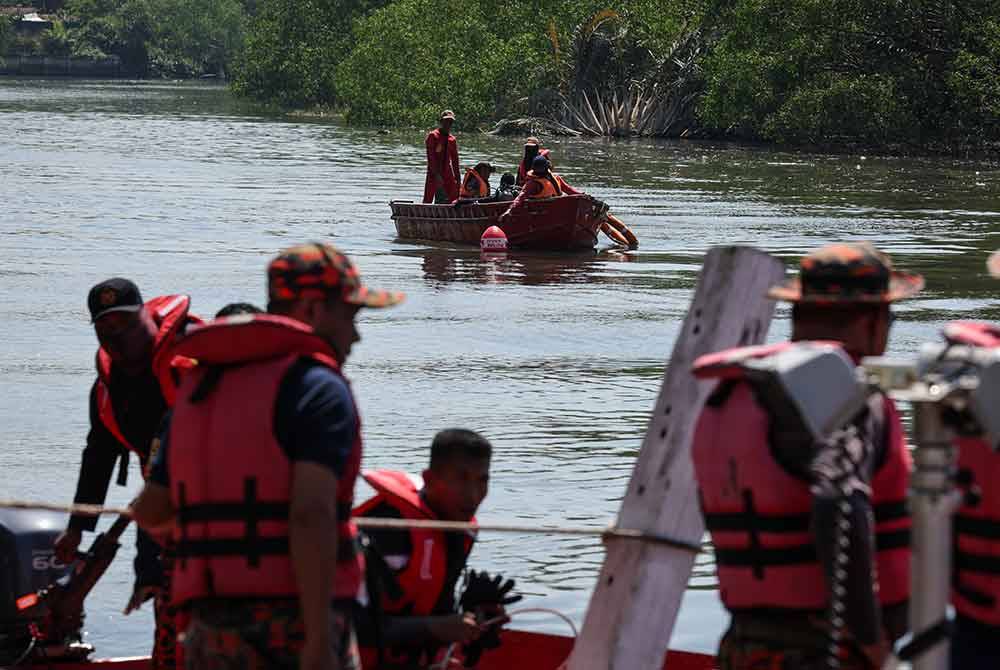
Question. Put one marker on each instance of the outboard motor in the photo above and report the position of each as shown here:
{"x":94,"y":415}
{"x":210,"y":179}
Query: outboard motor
{"x":27,"y":566}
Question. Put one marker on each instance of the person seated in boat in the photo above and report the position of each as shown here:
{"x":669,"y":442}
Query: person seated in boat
{"x":532,"y":148}
{"x":476,"y":183}
{"x":411,"y":615}
{"x":541,"y":183}
{"x":776,"y":503}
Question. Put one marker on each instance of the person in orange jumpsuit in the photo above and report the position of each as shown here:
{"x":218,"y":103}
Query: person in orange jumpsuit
{"x":441,"y":185}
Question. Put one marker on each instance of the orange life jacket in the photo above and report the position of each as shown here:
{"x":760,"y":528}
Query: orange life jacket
{"x":423,"y":579}
{"x":525,"y":166}
{"x":170,"y":313}
{"x":976,"y":588}
{"x":474,"y":186}
{"x":759,"y":514}
{"x":550,"y":185}
{"x":230,"y":480}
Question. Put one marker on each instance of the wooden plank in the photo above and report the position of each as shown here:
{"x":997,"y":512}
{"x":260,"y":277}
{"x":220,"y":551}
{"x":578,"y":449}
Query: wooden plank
{"x":634,"y":605}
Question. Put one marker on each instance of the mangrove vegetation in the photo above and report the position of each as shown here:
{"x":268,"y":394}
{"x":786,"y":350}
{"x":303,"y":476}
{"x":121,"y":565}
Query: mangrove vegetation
{"x":907,"y":73}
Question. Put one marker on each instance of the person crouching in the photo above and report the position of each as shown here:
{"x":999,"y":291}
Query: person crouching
{"x":412,"y":574}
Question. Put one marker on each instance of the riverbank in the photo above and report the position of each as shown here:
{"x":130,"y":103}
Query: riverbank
{"x":557,"y":360}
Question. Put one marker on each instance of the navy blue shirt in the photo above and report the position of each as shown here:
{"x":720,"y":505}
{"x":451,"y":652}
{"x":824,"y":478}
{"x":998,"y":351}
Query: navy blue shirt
{"x":314,"y":420}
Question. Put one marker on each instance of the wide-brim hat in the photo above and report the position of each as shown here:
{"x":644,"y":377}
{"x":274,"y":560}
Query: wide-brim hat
{"x":848,"y":273}
{"x":319,"y":270}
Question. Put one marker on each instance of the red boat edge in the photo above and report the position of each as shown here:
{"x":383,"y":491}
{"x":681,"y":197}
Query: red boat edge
{"x":522,"y":649}
{"x":566,"y":223}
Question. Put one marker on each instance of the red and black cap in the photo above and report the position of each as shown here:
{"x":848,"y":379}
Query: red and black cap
{"x":319,"y":270}
{"x":848,"y":273}
{"x":113,"y":295}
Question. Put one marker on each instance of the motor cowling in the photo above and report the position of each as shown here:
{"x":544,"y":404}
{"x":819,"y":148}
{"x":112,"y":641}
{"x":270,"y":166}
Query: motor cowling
{"x":27,"y":565}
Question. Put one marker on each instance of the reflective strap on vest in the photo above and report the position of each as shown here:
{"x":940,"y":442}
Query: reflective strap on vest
{"x":250,"y":511}
{"x":758,"y":557}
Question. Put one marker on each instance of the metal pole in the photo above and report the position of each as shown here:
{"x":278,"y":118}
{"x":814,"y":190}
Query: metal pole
{"x":934,"y":499}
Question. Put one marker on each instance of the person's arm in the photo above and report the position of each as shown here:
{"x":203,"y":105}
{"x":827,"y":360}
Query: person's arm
{"x":316,"y":425}
{"x":567,"y":189}
{"x":528,"y":190}
{"x":842,"y":470}
{"x":153,"y":510}
{"x":313,"y":539}
{"x":433,"y":163}
{"x":96,"y":467}
{"x":414,"y":630}
{"x":453,"y":156}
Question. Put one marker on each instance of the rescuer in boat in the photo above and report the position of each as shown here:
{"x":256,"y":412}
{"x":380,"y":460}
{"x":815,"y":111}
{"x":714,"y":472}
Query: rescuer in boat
{"x":412,"y":574}
{"x":137,"y":378}
{"x":265,"y":431}
{"x":771,"y":503}
{"x":975,"y":641}
{"x":441,"y":185}
{"x":476,"y":183}
{"x":532,"y":148}
{"x":541,"y":183}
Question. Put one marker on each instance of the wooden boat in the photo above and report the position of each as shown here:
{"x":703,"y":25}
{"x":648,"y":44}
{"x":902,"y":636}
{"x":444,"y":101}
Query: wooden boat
{"x":566,"y":223}
{"x":520,"y":649}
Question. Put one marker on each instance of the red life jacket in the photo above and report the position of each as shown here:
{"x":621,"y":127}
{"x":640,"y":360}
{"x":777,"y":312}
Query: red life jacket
{"x":170,"y":314}
{"x":976,"y":587}
{"x":759,"y":514}
{"x":230,"y":480}
{"x":551,"y":185}
{"x":473,"y":185}
{"x":423,"y":578}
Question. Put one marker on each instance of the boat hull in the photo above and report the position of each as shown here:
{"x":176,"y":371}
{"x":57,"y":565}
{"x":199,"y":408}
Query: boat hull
{"x":566,"y":223}
{"x":520,"y":649}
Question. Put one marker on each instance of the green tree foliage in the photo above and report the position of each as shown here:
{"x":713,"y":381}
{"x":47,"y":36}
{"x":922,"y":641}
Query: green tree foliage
{"x":158,"y":37}
{"x":922,"y":71}
{"x":487,"y":59}
{"x":293,"y":48}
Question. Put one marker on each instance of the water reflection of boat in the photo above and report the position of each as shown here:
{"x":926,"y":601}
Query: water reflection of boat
{"x":444,"y":265}
{"x":566,"y":223}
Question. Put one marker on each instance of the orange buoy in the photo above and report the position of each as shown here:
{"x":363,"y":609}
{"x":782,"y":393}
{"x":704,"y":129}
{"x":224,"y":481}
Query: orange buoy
{"x":619,"y":225}
{"x":615,"y":236}
{"x":493,"y":240}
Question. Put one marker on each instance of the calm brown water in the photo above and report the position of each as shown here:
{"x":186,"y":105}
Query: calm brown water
{"x":556,"y":359}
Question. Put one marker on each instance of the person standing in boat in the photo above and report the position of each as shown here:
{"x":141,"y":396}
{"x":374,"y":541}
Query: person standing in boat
{"x":774,"y":505}
{"x":532,"y":148}
{"x":975,"y":595}
{"x":412,"y":574}
{"x":541,"y":183}
{"x":266,"y":432}
{"x":443,"y":175}
{"x":137,"y":378}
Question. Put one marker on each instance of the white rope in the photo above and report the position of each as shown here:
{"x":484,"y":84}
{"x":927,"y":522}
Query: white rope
{"x":606,"y":533}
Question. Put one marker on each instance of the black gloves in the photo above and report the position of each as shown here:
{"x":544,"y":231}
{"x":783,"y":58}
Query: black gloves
{"x":480,"y":590}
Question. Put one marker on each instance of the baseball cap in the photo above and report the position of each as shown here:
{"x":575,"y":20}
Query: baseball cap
{"x":317,"y":270}
{"x":113,"y":295}
{"x":447,"y":114}
{"x":854,"y":272}
{"x":540,"y":162}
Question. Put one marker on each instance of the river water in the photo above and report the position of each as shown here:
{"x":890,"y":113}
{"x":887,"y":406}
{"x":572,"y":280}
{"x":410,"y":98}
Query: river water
{"x":556,"y":359}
